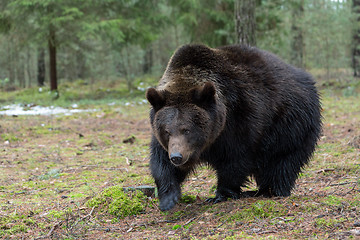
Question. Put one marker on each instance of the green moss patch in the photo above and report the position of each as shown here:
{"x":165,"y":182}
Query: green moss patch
{"x":188,"y":199}
{"x":115,"y":201}
{"x":260,"y":209}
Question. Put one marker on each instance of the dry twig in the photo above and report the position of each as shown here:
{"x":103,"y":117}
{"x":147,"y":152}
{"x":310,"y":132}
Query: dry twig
{"x":48,"y":235}
{"x":82,"y":218}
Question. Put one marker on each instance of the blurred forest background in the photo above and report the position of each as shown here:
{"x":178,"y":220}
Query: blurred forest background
{"x":104,"y":41}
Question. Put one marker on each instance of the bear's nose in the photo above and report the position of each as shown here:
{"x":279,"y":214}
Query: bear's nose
{"x":176,"y":158}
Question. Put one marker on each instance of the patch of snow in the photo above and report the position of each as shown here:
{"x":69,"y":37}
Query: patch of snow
{"x":16,"y":109}
{"x":141,"y":89}
{"x":144,"y":101}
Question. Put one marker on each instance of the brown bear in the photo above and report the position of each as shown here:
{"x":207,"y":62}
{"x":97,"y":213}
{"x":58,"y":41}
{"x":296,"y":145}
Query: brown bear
{"x":238,"y":109}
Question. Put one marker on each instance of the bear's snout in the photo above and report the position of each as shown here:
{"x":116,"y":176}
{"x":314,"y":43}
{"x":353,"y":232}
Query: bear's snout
{"x":176,"y":158}
{"x":178,"y":150}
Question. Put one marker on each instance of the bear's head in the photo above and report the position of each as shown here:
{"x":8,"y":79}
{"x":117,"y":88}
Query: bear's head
{"x":186,"y":123}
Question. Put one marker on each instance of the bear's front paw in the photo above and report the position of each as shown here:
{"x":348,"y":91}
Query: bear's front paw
{"x":168,"y":201}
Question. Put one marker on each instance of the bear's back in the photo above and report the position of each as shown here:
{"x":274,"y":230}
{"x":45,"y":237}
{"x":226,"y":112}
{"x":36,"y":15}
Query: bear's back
{"x":229,"y":68}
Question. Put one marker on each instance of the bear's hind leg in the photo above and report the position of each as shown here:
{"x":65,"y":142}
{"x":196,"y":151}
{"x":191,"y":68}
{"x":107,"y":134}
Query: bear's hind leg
{"x":279,"y":176}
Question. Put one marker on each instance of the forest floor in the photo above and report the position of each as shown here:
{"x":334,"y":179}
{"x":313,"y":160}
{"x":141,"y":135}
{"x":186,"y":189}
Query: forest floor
{"x":61,"y":177}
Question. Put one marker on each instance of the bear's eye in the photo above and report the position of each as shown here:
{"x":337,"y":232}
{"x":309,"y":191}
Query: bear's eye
{"x":185,"y":131}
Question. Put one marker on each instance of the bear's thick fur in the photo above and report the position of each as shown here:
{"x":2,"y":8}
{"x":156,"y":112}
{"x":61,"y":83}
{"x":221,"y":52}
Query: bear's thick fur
{"x":241,"y":110}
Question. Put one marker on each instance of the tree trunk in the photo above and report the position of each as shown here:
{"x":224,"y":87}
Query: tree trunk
{"x":129,"y":72}
{"x":80,"y":67}
{"x":52,"y":55}
{"x":245,"y":22}
{"x":29,"y":64}
{"x":10,"y":62}
{"x":356,"y":40}
{"x":41,"y":67}
{"x":20,"y":69}
{"x":297,"y":44}
{"x":147,"y":66}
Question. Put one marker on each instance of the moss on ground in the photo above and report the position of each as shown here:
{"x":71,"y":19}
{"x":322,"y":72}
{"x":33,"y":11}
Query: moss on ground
{"x":115,"y":201}
{"x":261,"y":209}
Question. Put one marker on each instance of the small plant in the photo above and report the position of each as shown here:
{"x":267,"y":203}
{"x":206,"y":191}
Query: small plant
{"x":115,"y":201}
{"x":188,"y":199}
{"x":53,"y":173}
{"x":177,"y":226}
{"x":265,"y":209}
{"x":54,"y":214}
{"x":333,"y":201}
{"x":329,"y":223}
{"x":13,"y":224}
{"x":260,"y":209}
{"x":349,"y":91}
{"x":9,"y":137}
{"x":4,"y":81}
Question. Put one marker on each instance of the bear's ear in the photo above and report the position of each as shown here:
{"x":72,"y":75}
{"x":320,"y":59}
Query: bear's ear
{"x":155,"y":98}
{"x":205,"y":94}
